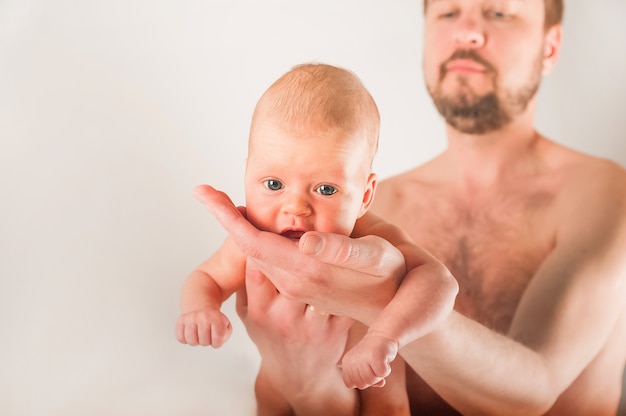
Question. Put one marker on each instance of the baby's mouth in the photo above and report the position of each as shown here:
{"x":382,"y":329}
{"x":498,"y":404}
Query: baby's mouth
{"x":293,"y":235}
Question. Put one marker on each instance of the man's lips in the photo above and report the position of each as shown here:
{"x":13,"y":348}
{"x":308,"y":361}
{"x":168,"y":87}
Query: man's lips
{"x":465,"y":66}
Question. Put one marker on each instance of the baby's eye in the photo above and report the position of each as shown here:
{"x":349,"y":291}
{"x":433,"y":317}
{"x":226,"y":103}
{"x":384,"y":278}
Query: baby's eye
{"x":273,"y":185}
{"x":327,"y":190}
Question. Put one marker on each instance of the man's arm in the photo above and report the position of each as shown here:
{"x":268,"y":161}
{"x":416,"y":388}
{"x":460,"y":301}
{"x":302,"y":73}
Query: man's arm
{"x":563,"y":320}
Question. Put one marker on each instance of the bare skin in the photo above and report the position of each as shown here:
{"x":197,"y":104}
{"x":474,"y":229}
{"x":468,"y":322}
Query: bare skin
{"x":503,"y":241}
{"x":307,"y":174}
{"x":557,"y":345}
{"x":427,"y":286}
{"x":534,"y":233}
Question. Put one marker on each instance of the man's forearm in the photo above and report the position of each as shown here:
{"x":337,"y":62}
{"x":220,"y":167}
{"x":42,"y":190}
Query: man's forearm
{"x":452,"y":360}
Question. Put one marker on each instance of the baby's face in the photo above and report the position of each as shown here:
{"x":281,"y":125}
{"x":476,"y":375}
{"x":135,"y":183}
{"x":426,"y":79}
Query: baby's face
{"x":306,"y":181}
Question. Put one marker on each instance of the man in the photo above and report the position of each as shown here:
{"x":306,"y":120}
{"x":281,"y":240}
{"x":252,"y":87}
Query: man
{"x":534,"y":233}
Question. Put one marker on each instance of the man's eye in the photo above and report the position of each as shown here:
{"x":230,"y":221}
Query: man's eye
{"x":494,"y":14}
{"x":448,"y":15}
{"x":327,"y":190}
{"x":273,"y":185}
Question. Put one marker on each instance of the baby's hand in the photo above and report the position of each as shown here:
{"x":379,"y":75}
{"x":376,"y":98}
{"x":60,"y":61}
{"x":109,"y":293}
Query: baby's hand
{"x":203,"y":327}
{"x":367,"y":363}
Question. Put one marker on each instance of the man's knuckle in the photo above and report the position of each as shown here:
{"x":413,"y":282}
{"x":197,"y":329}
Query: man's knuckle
{"x":344,"y":253}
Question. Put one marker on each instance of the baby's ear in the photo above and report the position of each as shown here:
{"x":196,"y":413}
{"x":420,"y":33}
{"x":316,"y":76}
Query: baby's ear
{"x":368,"y":195}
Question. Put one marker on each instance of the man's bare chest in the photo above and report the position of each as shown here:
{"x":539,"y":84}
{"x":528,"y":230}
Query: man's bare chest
{"x":493,"y":251}
{"x":493,"y":271}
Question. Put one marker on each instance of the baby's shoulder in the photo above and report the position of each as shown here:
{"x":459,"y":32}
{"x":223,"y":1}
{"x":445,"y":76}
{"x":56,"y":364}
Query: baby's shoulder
{"x":370,"y":224}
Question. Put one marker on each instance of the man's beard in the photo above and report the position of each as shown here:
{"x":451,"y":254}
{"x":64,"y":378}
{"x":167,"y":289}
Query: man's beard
{"x":473,"y":114}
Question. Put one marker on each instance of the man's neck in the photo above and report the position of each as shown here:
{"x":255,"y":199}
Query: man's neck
{"x":482,"y":161}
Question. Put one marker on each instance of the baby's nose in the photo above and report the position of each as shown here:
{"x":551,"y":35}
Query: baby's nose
{"x":297,"y":205}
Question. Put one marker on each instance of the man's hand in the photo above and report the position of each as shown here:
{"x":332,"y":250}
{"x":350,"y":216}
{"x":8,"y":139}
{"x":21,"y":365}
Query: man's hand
{"x":300,"y":348}
{"x":296,"y":324}
{"x":336,"y":274}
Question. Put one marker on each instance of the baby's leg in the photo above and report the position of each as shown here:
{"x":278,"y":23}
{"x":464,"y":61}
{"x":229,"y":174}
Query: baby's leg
{"x":367,"y":363}
{"x":269,"y":401}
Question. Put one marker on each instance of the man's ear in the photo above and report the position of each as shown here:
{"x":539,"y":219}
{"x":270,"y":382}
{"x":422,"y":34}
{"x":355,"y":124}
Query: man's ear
{"x":552,"y":48}
{"x":368,"y":195}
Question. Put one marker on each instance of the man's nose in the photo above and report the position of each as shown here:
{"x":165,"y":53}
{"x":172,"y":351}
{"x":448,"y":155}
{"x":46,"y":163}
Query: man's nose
{"x":469,"y":33}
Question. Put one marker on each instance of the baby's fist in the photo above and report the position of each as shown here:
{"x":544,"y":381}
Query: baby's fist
{"x":203,"y":327}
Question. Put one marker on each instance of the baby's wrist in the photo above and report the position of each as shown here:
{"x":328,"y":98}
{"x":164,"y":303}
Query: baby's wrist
{"x":382,"y":335}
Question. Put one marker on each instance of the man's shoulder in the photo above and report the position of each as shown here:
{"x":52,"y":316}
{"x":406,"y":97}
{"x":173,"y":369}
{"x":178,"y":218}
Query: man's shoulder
{"x":420,"y":176}
{"x":398,"y":188}
{"x":587,"y":173}
{"x":593,"y":189}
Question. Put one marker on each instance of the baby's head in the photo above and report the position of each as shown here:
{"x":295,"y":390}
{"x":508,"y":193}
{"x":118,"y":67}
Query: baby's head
{"x":319,"y":98}
{"x":313,"y":137}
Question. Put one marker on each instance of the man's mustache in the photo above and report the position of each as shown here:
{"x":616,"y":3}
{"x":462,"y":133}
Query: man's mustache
{"x":466,"y":54}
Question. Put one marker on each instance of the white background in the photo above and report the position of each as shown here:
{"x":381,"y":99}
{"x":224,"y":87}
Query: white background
{"x":112,"y":111}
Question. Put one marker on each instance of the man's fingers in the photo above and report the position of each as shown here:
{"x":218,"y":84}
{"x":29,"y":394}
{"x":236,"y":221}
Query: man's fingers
{"x":341,"y":323}
{"x":276,"y":256}
{"x":230,"y":217}
{"x":258,"y":286}
{"x":222,"y":207}
{"x":369,"y":254}
{"x":250,"y":240}
{"x":259,"y":289}
{"x":327,"y":270}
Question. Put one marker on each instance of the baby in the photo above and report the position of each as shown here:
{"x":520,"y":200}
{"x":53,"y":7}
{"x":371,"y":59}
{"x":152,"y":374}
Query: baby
{"x":313,"y":137}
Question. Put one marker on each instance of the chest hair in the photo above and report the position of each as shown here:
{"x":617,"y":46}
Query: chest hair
{"x":493,"y":247}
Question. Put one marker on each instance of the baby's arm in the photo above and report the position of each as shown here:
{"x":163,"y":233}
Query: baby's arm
{"x":202,"y":295}
{"x":424,"y":298}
